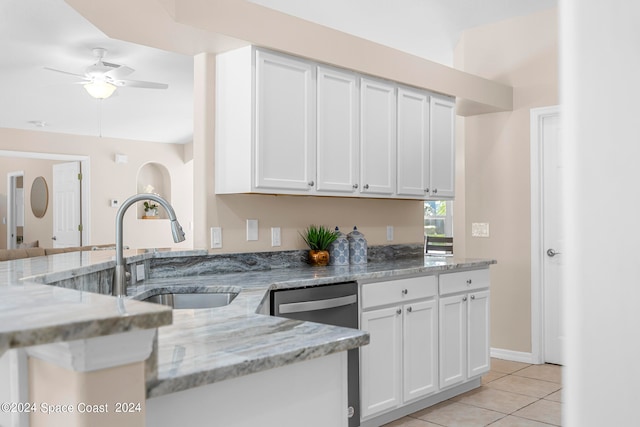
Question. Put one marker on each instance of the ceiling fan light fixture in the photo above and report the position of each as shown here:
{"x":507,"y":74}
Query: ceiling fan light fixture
{"x":100,"y":89}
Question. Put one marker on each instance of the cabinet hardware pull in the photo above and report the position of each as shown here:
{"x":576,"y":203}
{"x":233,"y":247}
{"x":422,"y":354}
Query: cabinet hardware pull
{"x":311,"y":183}
{"x":399,"y":311}
{"x":464,"y":298}
{"x":426,"y":190}
{"x":468,"y":281}
{"x":366,"y":186}
{"x":409,"y":309}
{"x":473,"y":297}
{"x":405,"y":291}
{"x":435,"y":191}
{"x":355,"y":186}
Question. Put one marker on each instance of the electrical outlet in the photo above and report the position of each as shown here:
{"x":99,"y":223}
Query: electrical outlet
{"x":275,"y":236}
{"x":252,"y":229}
{"x":114,"y":203}
{"x":389,"y":233}
{"x":216,"y":237}
{"x":139,"y":272}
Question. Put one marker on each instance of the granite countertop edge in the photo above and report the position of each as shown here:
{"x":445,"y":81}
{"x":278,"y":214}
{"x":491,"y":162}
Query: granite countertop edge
{"x":207,"y":353}
{"x":33,"y":313}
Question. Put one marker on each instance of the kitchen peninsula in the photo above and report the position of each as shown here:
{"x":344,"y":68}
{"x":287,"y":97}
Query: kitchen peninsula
{"x":236,"y":355}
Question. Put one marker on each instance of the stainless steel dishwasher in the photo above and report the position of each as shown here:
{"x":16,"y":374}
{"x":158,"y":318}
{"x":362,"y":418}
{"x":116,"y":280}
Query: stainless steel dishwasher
{"x":335,"y":304}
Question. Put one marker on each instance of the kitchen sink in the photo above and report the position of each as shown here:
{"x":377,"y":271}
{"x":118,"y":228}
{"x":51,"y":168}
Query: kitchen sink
{"x":193,"y":300}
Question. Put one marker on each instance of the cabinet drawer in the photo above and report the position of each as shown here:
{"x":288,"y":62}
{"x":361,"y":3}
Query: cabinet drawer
{"x":464,"y":281}
{"x":395,"y":291}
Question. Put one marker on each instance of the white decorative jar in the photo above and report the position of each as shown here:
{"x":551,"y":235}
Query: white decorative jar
{"x":357,"y":247}
{"x":339,"y":250}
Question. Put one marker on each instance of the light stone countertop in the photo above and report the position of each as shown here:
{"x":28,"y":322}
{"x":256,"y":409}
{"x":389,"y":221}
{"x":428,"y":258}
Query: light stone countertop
{"x":200,"y":346}
{"x":33,"y":313}
{"x":210,"y":345}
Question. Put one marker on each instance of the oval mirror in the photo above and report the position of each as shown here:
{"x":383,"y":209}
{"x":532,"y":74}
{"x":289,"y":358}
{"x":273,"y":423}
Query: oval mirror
{"x":39,"y":197}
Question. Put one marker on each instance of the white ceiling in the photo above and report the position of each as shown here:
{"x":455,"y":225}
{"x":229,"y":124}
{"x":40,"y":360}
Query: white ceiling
{"x":39,"y":33}
{"x":426,"y":28}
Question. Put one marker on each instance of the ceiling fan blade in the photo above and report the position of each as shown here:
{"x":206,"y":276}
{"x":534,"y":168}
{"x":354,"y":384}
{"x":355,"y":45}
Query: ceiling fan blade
{"x":65,"y":72}
{"x":119,"y":72}
{"x":142,"y":84}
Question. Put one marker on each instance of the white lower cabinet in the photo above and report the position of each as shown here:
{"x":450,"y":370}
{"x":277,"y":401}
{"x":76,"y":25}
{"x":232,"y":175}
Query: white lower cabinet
{"x":400,"y":363}
{"x":420,"y":355}
{"x":380,"y":361}
{"x":464,"y":326}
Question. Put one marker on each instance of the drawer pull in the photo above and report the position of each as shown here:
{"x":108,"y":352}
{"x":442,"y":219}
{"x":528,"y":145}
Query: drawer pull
{"x":409,"y":309}
{"x":405,"y":291}
{"x":473,"y":297}
{"x":399,"y":311}
{"x":468,"y":282}
{"x":464,"y":298}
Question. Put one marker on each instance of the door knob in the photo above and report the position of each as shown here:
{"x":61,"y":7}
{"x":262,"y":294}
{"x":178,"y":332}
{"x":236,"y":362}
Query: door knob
{"x":551,"y":253}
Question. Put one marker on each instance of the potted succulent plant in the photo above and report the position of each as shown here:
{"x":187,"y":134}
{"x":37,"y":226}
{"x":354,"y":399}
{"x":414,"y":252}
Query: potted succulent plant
{"x":150,"y":209}
{"x":318,"y":238}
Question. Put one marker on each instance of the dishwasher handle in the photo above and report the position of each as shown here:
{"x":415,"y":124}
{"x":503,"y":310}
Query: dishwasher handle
{"x":323,"y":304}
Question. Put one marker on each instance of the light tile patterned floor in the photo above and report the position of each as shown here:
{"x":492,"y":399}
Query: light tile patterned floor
{"x":513,"y":394}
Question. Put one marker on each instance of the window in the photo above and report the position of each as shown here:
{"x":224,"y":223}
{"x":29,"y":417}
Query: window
{"x":438,"y":218}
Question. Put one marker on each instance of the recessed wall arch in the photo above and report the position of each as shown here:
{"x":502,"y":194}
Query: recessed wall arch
{"x":154,"y":177}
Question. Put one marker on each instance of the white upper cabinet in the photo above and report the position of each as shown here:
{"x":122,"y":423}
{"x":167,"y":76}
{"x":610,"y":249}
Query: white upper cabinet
{"x":337,"y":163}
{"x":377,"y":137}
{"x":413,"y":143}
{"x":284,"y":115}
{"x":265,"y":123}
{"x":286,"y":125}
{"x":442,"y":147}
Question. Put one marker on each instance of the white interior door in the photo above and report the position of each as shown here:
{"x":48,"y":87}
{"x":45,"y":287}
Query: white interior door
{"x":15,"y":212}
{"x":66,"y":205}
{"x":552,"y":238}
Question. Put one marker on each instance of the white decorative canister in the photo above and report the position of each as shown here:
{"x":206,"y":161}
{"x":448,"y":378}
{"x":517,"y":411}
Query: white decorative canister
{"x":357,"y":247}
{"x":339,"y":250}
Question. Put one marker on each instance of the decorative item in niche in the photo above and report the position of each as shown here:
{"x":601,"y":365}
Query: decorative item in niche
{"x":150,"y":210}
{"x":39,"y":197}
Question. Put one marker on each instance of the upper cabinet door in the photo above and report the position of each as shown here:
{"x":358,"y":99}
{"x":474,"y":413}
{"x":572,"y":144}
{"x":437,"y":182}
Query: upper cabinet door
{"x":284,"y":123}
{"x":377,"y":137}
{"x":337,"y":131}
{"x":413,"y":143}
{"x":442,"y":144}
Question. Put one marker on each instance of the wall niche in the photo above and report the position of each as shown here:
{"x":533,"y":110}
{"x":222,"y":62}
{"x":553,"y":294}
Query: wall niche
{"x":154,"y":178}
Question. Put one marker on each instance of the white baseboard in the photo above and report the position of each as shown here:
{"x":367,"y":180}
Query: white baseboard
{"x":514,"y":356}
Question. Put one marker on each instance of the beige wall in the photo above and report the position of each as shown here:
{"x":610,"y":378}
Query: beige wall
{"x":521,"y":52}
{"x":108,"y":180}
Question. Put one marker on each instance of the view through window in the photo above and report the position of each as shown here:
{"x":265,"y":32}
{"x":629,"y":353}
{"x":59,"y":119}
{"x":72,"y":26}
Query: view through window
{"x":438,"y":218}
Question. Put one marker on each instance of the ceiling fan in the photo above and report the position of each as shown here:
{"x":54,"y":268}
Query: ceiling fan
{"x":102,"y":78}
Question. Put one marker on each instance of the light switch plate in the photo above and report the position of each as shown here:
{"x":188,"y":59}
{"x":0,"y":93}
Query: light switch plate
{"x":480,"y":229}
{"x":252,"y":229}
{"x":216,"y":237}
{"x":275,"y":237}
{"x":139,"y":272}
{"x":389,"y":233}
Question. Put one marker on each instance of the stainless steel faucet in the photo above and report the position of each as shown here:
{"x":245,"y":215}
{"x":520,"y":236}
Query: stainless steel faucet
{"x":119,"y":278}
